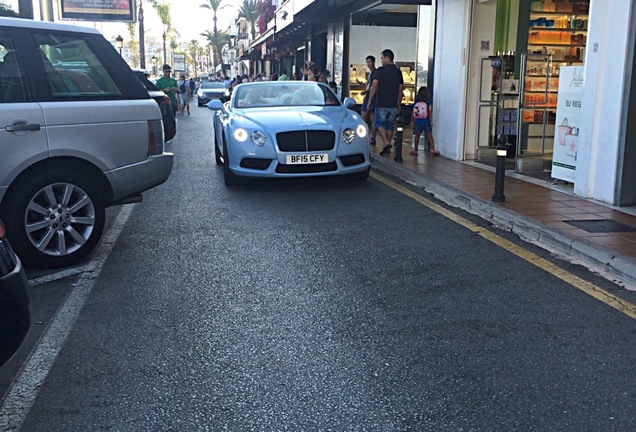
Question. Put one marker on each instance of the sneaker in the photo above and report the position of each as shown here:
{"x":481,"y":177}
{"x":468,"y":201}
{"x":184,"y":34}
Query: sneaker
{"x":386,"y":149}
{"x":413,"y":153}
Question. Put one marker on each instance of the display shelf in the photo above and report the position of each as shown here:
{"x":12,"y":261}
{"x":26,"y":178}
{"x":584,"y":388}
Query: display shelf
{"x":556,"y":29}
{"x":556,"y":45}
{"x":542,"y":91}
{"x":552,"y":13}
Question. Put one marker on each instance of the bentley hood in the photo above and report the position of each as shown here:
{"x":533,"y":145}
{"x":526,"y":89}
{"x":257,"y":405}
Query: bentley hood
{"x":276,"y":120}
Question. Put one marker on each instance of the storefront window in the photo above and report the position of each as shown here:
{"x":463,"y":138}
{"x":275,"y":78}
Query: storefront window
{"x":337,"y":57}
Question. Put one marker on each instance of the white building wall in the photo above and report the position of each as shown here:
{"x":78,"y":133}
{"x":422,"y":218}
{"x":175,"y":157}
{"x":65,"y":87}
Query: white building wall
{"x":451,"y":58}
{"x":371,"y":40}
{"x":605,"y":72}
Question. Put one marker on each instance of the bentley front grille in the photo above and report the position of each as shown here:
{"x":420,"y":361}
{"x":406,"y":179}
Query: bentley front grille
{"x":306,"y":141}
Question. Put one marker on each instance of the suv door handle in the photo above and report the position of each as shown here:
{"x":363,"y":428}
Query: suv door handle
{"x":23,"y":126}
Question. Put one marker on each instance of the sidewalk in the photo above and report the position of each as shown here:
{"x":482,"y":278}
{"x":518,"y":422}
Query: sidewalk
{"x":536,"y":213}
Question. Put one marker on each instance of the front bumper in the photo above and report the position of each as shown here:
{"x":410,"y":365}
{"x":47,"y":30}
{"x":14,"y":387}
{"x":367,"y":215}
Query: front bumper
{"x":344,"y":159}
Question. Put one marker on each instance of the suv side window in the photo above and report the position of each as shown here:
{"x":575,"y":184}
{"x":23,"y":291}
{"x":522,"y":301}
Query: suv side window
{"x":72,"y":69}
{"x":12,"y":79}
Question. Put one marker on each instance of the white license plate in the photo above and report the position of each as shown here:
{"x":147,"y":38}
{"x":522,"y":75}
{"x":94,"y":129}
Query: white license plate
{"x":307,"y":159}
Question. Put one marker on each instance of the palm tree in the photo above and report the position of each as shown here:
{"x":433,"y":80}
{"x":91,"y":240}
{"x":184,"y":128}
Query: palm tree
{"x":174,"y":43}
{"x":194,"y":45}
{"x":133,"y":44}
{"x":163,"y":10}
{"x":215,"y":5}
{"x":217,"y":40}
{"x":248,"y":11}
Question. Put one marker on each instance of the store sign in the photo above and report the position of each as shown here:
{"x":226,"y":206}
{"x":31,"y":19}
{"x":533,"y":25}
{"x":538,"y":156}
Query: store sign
{"x":98,"y":10}
{"x":568,"y":122}
{"x":179,"y":62}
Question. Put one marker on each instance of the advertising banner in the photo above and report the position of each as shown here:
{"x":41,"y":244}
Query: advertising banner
{"x":568,"y":121}
{"x":98,"y":10}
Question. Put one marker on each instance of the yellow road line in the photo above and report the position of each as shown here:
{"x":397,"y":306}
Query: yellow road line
{"x":589,"y":288}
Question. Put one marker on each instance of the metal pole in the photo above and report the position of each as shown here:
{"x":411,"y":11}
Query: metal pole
{"x":142,"y":44}
{"x":399,"y":132}
{"x":46,"y":10}
{"x":500,"y":174}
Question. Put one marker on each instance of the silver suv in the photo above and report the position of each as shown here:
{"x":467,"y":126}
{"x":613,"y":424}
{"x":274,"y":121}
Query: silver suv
{"x":78,"y":133}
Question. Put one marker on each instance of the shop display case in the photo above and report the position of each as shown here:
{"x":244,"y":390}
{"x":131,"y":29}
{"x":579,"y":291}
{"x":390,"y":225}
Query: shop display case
{"x":557,"y":36}
{"x":408,"y":75}
{"x":358,"y":77}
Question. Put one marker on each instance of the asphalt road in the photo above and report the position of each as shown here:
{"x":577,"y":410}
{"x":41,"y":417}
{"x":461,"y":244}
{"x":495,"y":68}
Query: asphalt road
{"x":320,"y":305}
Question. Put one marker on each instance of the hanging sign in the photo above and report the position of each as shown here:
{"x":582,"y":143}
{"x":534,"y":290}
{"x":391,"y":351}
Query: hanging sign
{"x":98,"y":10}
{"x":568,"y":121}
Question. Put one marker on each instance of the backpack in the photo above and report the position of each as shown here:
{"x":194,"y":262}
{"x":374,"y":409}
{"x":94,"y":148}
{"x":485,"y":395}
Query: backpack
{"x":182,"y":88}
{"x":420,"y":110}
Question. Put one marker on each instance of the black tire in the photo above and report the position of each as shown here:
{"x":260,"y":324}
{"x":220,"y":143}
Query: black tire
{"x":360,"y":176}
{"x":74,"y":233}
{"x":218,"y":158}
{"x":229,"y":177}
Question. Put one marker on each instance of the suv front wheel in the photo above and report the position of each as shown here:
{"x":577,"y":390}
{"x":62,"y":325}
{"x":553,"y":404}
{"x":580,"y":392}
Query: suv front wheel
{"x":56,"y":218}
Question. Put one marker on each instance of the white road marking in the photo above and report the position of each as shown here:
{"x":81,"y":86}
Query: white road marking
{"x":25,"y":387}
{"x":52,"y":277}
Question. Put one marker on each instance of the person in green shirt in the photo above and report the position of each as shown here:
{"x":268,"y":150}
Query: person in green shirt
{"x":168,"y":85}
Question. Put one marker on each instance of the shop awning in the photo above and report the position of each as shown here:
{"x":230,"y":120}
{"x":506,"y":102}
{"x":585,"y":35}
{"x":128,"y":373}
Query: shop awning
{"x":252,"y":55}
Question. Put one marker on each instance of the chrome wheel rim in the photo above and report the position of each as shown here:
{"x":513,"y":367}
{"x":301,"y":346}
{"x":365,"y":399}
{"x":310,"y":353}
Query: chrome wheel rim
{"x":59,"y":219}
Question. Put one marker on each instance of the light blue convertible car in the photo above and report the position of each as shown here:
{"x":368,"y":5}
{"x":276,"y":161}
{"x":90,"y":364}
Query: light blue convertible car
{"x":288,"y":129}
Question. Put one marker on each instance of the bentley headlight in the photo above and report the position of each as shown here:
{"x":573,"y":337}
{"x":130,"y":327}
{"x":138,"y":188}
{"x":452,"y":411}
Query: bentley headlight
{"x":240,"y":135}
{"x":361,"y":131}
{"x":348,"y":135}
{"x":200,"y":93}
{"x":259,"y":138}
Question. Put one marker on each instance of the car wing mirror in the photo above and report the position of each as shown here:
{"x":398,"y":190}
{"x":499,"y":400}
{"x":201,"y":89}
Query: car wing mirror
{"x":216,"y":105}
{"x":349,"y":103}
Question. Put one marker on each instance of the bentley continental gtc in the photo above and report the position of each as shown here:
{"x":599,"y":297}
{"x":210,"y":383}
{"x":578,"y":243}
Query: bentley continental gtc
{"x":288,"y":129}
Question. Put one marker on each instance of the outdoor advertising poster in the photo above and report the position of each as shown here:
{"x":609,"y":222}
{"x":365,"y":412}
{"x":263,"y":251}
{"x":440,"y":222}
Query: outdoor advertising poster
{"x":98,"y":10}
{"x":568,"y":122}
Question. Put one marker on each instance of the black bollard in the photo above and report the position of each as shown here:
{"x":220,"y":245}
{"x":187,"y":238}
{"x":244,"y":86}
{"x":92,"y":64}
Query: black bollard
{"x":500,"y":175}
{"x":399,"y":132}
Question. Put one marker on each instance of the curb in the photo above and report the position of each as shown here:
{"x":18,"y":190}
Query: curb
{"x":609,"y":264}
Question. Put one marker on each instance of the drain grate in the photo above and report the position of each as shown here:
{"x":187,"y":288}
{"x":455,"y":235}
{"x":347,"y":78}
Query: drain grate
{"x":601,"y":226}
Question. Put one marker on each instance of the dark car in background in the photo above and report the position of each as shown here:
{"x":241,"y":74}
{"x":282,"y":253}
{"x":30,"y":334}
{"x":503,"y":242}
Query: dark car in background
{"x":167,"y":116}
{"x":15,"y":318}
{"x":210,"y":90}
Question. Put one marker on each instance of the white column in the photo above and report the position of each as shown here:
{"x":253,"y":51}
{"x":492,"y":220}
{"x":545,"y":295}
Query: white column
{"x":606,"y":70}
{"x":451,"y":67}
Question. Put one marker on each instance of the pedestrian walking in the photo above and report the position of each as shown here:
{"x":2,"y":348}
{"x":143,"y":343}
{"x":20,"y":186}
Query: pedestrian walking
{"x":422,"y":120}
{"x":168,"y":85}
{"x":283,"y":76}
{"x":368,"y":107}
{"x":388,"y":86}
{"x":192,"y":84}
{"x":184,"y":99}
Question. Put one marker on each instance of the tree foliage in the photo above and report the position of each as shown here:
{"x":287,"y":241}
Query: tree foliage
{"x":249,"y":11}
{"x":266,"y":12}
{"x":6,"y":11}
